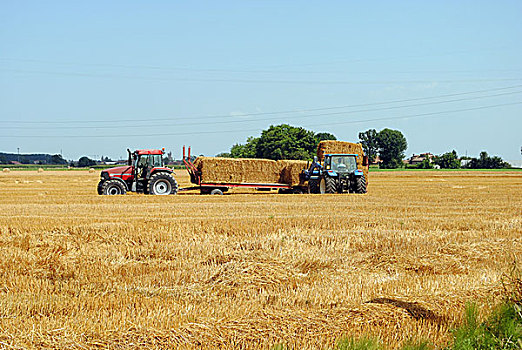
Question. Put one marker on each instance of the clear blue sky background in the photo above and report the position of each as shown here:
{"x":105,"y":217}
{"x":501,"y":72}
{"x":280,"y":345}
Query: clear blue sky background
{"x":95,"y":77}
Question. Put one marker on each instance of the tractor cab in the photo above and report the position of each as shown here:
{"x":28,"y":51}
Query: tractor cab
{"x":341,"y":163}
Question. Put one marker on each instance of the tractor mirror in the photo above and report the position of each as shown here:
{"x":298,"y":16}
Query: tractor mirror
{"x":315,"y":159}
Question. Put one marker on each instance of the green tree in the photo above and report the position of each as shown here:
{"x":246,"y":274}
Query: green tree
{"x":448,"y":160}
{"x":322,"y":136}
{"x":392,"y":145}
{"x":84,"y":162}
{"x":484,"y":161}
{"x":286,"y":142}
{"x":247,"y":150}
{"x":57,"y":159}
{"x":224,"y":155}
{"x":368,"y":140}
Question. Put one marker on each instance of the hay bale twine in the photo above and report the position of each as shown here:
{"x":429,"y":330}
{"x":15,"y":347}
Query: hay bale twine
{"x":40,"y":170}
{"x":6,"y":170}
{"x":91,"y":170}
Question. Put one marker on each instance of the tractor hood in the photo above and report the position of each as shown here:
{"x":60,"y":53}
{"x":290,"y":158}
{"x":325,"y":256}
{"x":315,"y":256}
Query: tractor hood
{"x":119,"y":170}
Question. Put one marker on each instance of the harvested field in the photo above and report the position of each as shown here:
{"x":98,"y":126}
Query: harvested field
{"x":80,"y":270}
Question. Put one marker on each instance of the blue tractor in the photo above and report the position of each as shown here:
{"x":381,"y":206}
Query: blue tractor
{"x":338,"y":174}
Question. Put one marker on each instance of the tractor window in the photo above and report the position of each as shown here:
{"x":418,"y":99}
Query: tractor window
{"x":156,"y":160}
{"x":343,"y":163}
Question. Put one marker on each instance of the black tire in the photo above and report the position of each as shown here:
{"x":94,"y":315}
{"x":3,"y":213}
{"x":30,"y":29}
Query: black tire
{"x":360,"y":185}
{"x":313,"y":186}
{"x":112,"y":188}
{"x":327,"y":185}
{"x":162,"y":184}
{"x":216,"y":191}
{"x":100,"y":184}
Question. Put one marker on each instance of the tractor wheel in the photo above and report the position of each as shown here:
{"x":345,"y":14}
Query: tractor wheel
{"x":162,"y":184}
{"x":327,"y":185}
{"x":360,"y":185}
{"x":112,"y":187}
{"x":100,"y":187}
{"x":313,"y":186}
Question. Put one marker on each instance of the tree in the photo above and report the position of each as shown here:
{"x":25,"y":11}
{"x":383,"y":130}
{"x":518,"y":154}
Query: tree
{"x":486,"y":162}
{"x":57,"y":159}
{"x":448,"y":160}
{"x":368,"y":140}
{"x":247,"y":150}
{"x":322,"y":136}
{"x":286,"y":142}
{"x":84,"y":162}
{"x":392,"y":145}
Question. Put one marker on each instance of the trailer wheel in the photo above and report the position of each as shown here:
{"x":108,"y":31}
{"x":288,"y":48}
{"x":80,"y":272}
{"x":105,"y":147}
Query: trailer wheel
{"x":112,"y":188}
{"x":360,"y":185}
{"x":313,"y":186}
{"x":216,"y":191}
{"x":162,"y":184}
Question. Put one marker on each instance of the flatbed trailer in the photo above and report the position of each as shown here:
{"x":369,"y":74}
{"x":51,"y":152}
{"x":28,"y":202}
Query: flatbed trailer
{"x":221,"y":187}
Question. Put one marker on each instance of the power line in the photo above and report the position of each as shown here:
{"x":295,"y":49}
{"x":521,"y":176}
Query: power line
{"x":266,"y":119}
{"x":260,"y":81}
{"x":423,"y":115}
{"x":112,"y":121}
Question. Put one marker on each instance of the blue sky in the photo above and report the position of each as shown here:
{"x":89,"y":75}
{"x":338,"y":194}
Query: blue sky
{"x":94,"y":78}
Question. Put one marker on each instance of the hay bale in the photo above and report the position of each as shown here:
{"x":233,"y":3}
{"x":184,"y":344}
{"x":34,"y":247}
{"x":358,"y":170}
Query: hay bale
{"x":40,"y":170}
{"x":6,"y":170}
{"x":291,"y":170}
{"x":91,"y":170}
{"x":330,"y":147}
{"x":246,"y":170}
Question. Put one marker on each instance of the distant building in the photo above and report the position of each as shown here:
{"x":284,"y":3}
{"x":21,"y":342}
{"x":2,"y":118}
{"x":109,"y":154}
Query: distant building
{"x":419,"y":158}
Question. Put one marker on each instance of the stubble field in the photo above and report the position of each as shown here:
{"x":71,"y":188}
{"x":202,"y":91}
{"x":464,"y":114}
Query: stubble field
{"x":78,"y":270}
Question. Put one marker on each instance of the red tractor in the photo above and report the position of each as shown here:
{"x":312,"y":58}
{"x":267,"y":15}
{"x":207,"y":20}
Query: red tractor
{"x":144,"y":173}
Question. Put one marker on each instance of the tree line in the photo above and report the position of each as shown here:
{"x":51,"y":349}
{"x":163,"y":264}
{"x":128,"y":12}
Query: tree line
{"x":289,"y":142}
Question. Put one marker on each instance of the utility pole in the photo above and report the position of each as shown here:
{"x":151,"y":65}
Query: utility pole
{"x":18,"y":148}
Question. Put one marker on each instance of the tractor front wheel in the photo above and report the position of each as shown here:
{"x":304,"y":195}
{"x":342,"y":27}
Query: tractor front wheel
{"x":111,"y":188}
{"x":360,"y":185}
{"x":327,"y":185}
{"x":162,"y":184}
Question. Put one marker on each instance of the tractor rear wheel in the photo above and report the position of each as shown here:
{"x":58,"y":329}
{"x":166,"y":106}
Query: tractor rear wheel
{"x":112,"y":187}
{"x":313,"y":186}
{"x":360,"y":185}
{"x":327,"y":185}
{"x":162,"y":184}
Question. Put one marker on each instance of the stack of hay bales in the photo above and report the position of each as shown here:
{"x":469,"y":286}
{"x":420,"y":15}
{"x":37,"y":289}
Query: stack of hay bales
{"x":246,"y":170}
{"x":332,"y":147}
{"x":6,"y":170}
{"x":291,"y":171}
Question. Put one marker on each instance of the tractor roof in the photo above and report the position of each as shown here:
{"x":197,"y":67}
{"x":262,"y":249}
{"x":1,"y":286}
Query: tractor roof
{"x":148,"y":151}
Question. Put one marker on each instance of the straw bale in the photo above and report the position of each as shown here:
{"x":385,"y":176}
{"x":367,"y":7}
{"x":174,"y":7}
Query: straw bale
{"x":237,"y":170}
{"x":91,"y":170}
{"x":40,"y":170}
{"x":6,"y":170}
{"x":291,"y":171}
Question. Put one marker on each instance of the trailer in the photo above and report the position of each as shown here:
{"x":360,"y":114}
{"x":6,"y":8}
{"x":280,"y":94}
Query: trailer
{"x":219,"y":188}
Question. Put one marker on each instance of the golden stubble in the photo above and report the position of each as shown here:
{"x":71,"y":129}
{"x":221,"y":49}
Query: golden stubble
{"x":250,"y":270}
